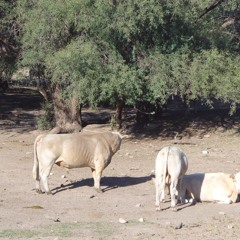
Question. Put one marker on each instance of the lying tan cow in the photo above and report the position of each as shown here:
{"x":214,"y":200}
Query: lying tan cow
{"x":212,"y":187}
{"x":170,"y":166}
{"x":77,"y":150}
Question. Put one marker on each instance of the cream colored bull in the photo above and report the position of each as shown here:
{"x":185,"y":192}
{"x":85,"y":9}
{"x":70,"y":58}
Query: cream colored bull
{"x":170,"y":166}
{"x":211,"y":187}
{"x":77,"y":150}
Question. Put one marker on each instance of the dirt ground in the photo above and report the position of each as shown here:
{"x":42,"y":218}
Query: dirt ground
{"x":76,"y":211}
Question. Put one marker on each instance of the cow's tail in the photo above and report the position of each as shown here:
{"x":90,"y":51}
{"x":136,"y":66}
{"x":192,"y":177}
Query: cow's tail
{"x":165,"y":166}
{"x":36,"y":162}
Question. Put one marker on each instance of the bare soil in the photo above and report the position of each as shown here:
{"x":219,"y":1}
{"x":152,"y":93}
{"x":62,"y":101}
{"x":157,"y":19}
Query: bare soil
{"x":76,"y":211}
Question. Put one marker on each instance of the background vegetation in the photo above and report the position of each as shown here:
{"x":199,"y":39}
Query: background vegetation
{"x":137,"y":53}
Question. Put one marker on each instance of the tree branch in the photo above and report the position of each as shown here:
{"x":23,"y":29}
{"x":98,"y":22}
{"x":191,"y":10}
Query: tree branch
{"x":211,"y":7}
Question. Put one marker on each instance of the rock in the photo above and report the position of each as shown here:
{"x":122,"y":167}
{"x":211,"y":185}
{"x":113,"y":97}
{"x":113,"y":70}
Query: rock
{"x":206,"y":135}
{"x":222,"y":213}
{"x":230,"y":226}
{"x":174,"y":225}
{"x":205,"y":152}
{"x":178,"y":225}
{"x":138,"y":205}
{"x":141,"y":220}
{"x":168,"y":224}
{"x":54,"y":219}
{"x":63,"y":176}
{"x":121,"y":220}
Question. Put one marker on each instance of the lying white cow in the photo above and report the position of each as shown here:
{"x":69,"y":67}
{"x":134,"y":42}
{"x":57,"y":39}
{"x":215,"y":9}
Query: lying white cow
{"x":211,"y":187}
{"x":77,"y":150}
{"x":170,"y":166}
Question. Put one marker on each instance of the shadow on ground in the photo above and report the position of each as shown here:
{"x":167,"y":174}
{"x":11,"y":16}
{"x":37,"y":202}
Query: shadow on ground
{"x":19,"y":109}
{"x":107,"y":183}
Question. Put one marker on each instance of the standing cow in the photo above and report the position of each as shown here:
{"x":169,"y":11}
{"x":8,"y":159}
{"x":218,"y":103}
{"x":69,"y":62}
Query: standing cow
{"x":170,"y":166}
{"x":77,"y":150}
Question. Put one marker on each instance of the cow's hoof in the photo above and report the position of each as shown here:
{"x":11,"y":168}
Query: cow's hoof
{"x":174,"y":209}
{"x":99,"y":190}
{"x":39,"y":191}
{"x":192,"y":201}
{"x":158,"y":209}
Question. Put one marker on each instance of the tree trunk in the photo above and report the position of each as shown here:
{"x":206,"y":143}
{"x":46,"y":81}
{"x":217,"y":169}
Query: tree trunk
{"x":67,"y":116}
{"x":119,"y":109}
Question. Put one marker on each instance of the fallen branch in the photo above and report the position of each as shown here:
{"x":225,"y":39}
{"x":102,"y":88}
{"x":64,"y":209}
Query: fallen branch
{"x":180,"y":142}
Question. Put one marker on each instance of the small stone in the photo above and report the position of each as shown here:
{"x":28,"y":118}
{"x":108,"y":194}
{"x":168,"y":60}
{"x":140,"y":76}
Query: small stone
{"x":168,"y":224}
{"x":230,"y":226}
{"x":178,"y":226}
{"x":141,"y":220}
{"x":205,"y":152}
{"x":63,"y":176}
{"x":138,"y":205}
{"x":51,"y":173}
{"x":121,"y":220}
{"x":134,"y":168}
{"x":222,"y":213}
{"x":207,"y":135}
{"x":56,"y":220}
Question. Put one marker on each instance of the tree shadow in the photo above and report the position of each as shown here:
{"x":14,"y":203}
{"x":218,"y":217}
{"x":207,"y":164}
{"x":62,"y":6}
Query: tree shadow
{"x":19,"y":109}
{"x":174,"y":124}
{"x":107,"y":183}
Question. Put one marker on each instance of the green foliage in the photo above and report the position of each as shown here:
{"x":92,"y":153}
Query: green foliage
{"x":106,"y":51}
{"x":77,"y":67}
{"x":44,"y":122}
{"x":8,"y":39}
{"x":205,"y":76}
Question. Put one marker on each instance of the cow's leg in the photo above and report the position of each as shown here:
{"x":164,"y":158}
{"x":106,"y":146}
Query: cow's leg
{"x":181,"y":191}
{"x":44,"y":178}
{"x":38,"y":187}
{"x":168,"y":181}
{"x":44,"y":173}
{"x":160,"y":186}
{"x":97,"y":174}
{"x":173,"y":188}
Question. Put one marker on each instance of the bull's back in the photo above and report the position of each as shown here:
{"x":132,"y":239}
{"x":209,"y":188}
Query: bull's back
{"x":159,"y":161}
{"x":177,"y":162}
